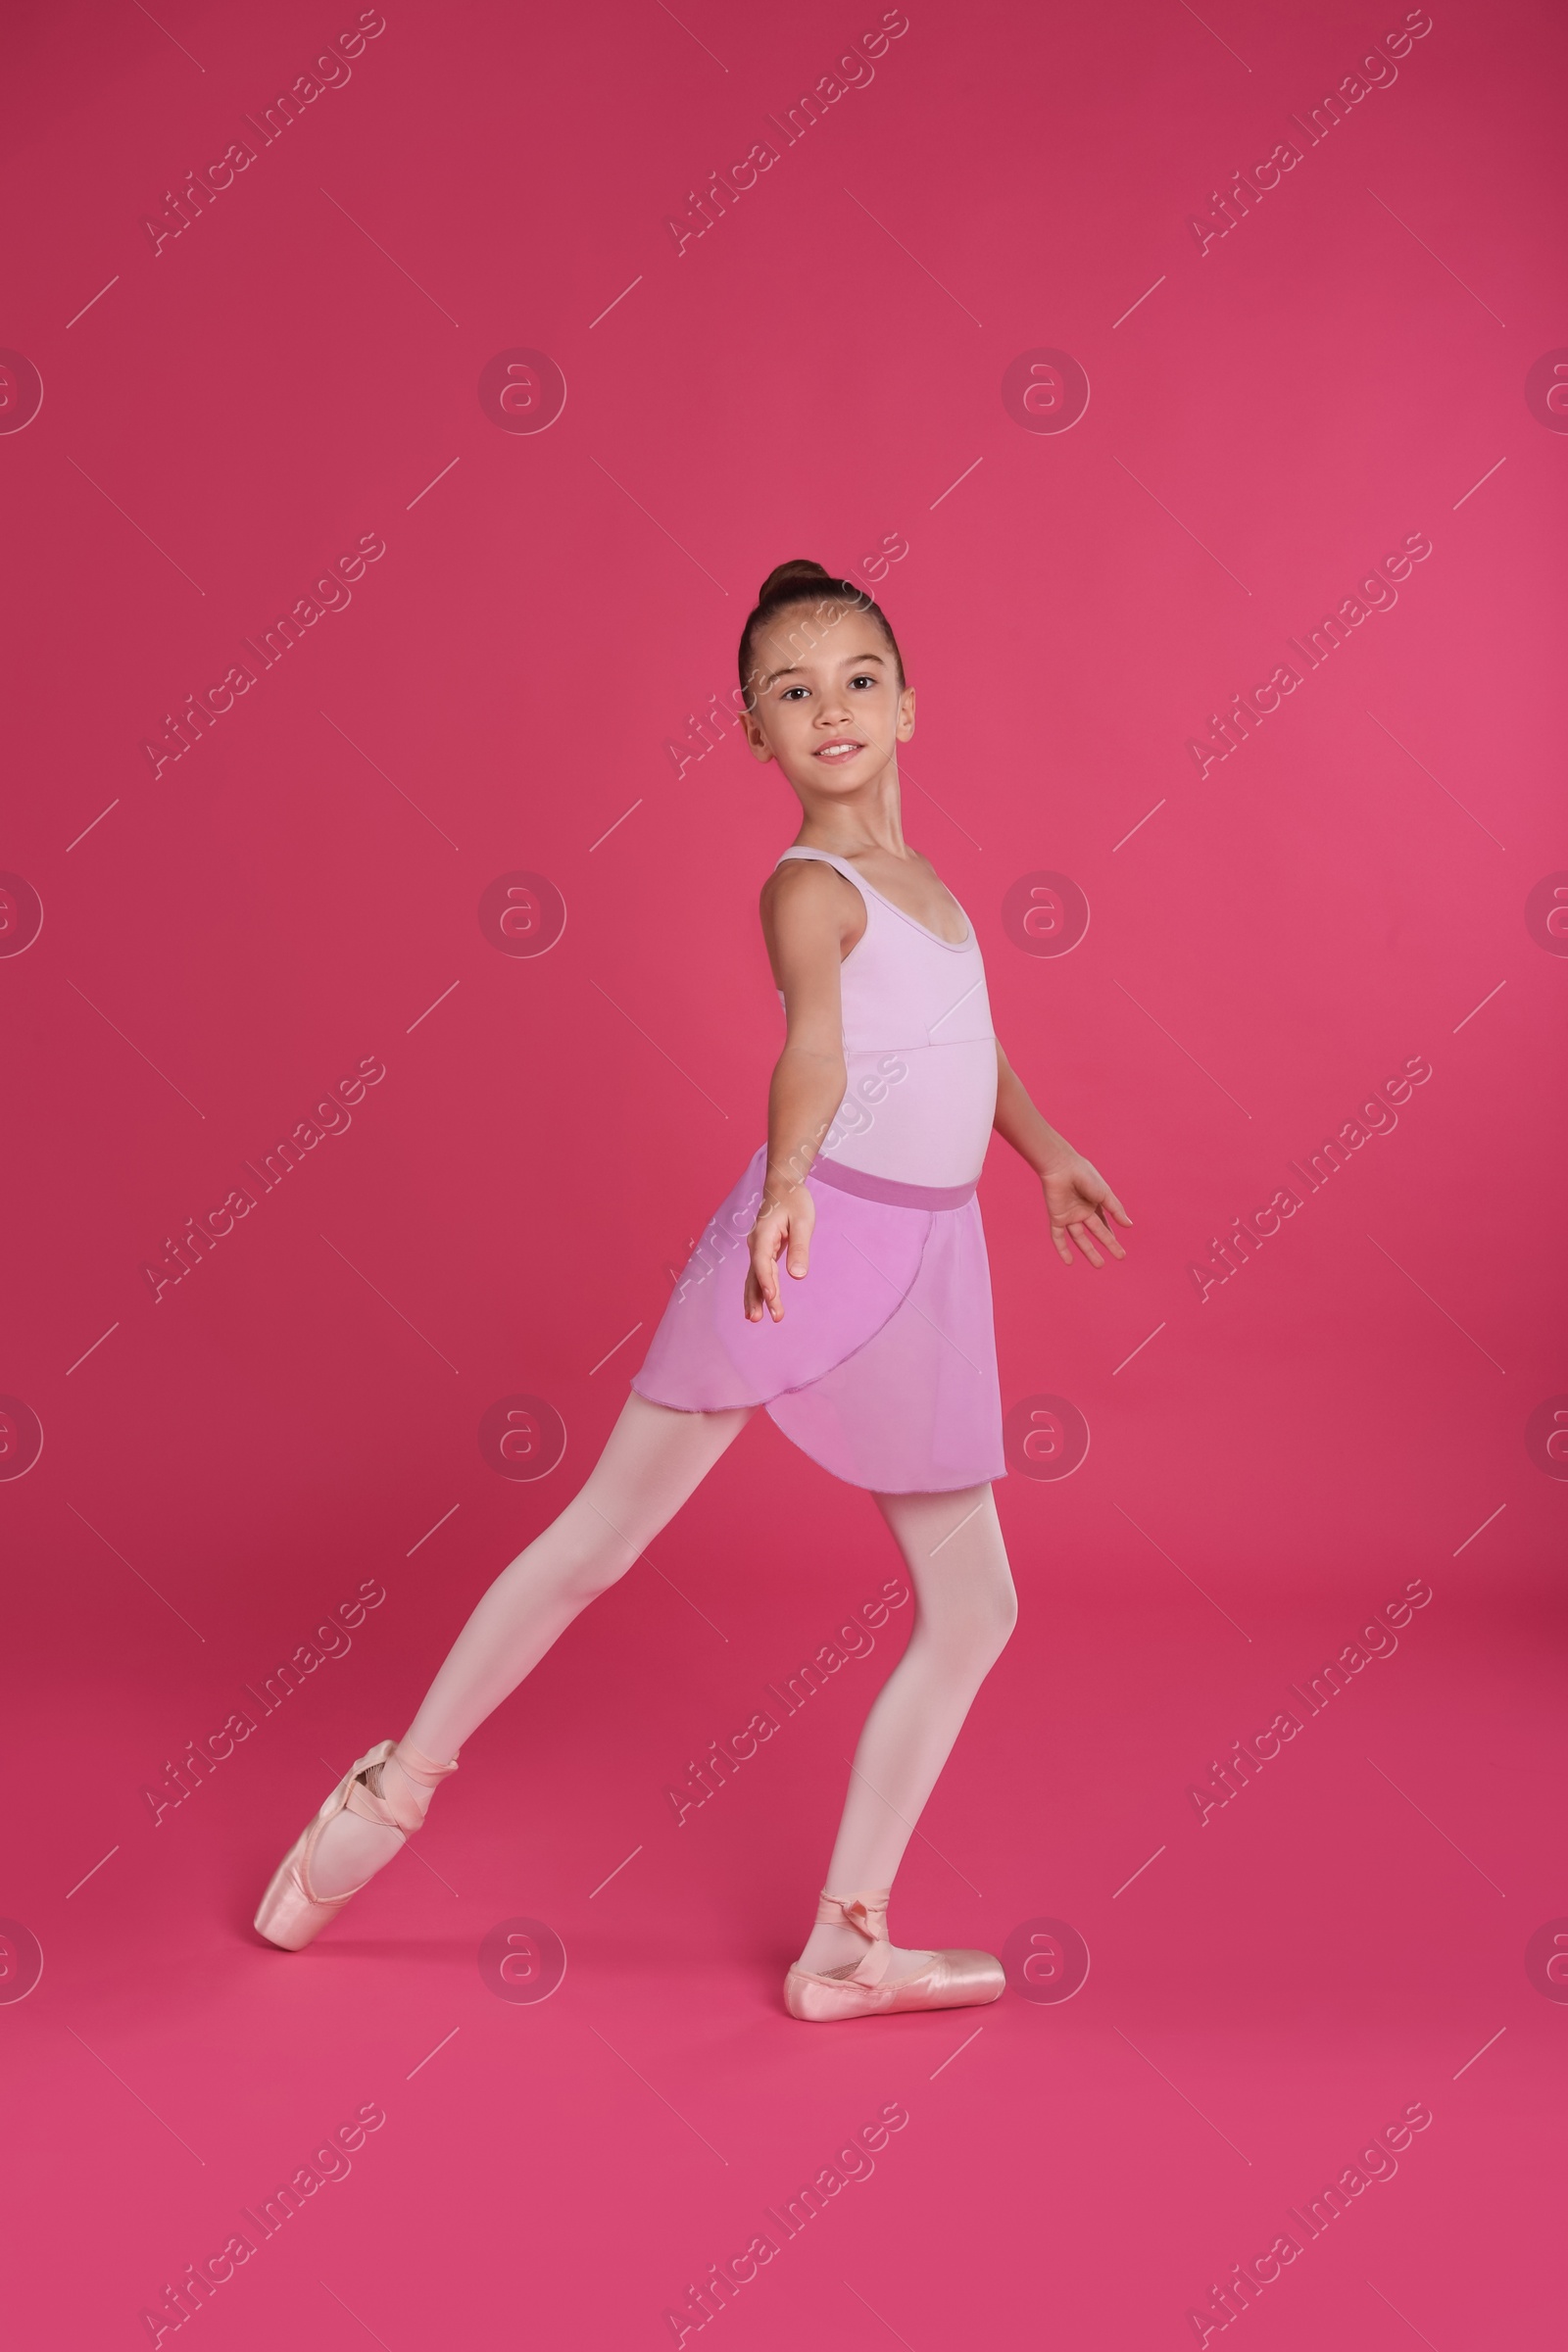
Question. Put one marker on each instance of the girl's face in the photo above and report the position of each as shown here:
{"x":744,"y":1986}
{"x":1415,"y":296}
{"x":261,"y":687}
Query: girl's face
{"x":828,"y":705}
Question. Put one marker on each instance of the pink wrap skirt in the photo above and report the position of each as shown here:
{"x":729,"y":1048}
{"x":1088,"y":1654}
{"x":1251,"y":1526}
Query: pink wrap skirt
{"x":884,"y":1369}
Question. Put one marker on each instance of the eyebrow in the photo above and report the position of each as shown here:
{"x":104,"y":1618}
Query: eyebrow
{"x":853,"y":660}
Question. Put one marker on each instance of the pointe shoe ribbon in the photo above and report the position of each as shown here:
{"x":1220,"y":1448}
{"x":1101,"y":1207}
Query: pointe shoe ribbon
{"x":948,"y":1980}
{"x":291,"y":1913}
{"x":868,"y":1913}
{"x":378,"y":1804}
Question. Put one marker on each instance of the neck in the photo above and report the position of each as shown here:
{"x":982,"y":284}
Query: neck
{"x":870,"y":819}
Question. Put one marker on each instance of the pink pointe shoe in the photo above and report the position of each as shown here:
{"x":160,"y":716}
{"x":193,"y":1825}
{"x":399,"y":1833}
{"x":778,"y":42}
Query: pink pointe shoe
{"x":292,"y":1915}
{"x":952,"y":1981}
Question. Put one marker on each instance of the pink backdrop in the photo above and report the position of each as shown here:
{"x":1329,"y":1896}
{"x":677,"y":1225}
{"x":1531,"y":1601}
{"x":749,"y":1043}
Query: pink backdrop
{"x":1121,"y":371}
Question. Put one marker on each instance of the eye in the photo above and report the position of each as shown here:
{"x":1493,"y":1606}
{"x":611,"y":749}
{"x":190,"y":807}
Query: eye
{"x":862,"y":680}
{"x":789,"y":691}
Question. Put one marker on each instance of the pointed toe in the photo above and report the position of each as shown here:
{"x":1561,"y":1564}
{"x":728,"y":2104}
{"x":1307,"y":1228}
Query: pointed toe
{"x":288,"y":1916}
{"x":949,"y":1980}
{"x":958,"y":1980}
{"x":291,"y":1914}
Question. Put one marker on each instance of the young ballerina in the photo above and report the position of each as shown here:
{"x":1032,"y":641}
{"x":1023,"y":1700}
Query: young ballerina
{"x":877,"y":1359}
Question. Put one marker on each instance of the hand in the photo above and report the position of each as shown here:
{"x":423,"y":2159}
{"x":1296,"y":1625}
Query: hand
{"x":1078,"y":1201}
{"x":783,"y":1228}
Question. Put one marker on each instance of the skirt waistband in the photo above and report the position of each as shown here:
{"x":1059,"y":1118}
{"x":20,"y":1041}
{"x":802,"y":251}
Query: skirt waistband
{"x":886,"y":1189}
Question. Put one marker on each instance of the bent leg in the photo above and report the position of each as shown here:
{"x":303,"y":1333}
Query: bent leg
{"x":653,"y":1460}
{"x":965,"y":1608}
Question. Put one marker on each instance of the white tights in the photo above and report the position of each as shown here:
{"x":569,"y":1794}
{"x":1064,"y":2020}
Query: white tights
{"x":654,"y":1459}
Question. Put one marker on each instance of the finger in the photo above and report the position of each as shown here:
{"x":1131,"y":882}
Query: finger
{"x":799,"y":1256}
{"x":1101,"y":1231}
{"x":1060,"y":1242}
{"x":776,"y":1303}
{"x":1081,"y":1237}
{"x":1115,"y":1207}
{"x":766,"y":1281}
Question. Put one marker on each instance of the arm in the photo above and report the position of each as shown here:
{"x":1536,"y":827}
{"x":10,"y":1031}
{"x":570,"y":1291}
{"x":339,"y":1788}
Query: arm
{"x":1078,"y":1199}
{"x":804,"y":915}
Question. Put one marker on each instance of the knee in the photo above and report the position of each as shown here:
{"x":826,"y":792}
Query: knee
{"x":995,"y":1614}
{"x":1006,"y":1611}
{"x":581,"y":1556}
{"x":1001,"y":1615}
{"x":975,"y":1632}
{"x":597,"y":1569}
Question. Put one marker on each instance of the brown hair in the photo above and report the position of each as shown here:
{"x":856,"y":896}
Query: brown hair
{"x":802,"y":582}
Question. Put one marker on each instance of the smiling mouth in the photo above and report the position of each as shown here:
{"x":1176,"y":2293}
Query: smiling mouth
{"x":836,"y":753}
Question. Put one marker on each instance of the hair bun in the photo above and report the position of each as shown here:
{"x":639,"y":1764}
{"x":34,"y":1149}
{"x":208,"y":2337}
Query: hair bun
{"x":800,"y":568}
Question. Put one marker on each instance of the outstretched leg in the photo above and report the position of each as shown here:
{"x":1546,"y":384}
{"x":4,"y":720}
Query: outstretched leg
{"x":965,"y":1608}
{"x":652,"y":1461}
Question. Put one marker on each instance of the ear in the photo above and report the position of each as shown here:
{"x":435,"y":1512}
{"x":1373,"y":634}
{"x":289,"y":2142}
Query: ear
{"x":906,"y":715}
{"x":754,"y":736}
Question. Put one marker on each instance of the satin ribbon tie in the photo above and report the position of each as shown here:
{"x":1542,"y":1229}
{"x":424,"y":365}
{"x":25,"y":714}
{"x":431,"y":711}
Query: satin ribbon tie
{"x":869,"y":1914}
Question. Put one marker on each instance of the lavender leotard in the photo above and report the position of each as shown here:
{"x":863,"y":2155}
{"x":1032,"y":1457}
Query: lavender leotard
{"x":884,"y":1369}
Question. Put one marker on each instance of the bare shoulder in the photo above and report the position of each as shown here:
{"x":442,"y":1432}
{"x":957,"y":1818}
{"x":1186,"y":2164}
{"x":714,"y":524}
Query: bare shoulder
{"x":805,"y":893}
{"x":806,"y":905}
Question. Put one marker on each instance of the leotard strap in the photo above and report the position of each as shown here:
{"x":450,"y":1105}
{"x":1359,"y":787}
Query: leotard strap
{"x":840,"y":865}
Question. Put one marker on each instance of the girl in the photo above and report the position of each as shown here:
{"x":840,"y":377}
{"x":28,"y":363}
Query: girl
{"x":880,"y":1360}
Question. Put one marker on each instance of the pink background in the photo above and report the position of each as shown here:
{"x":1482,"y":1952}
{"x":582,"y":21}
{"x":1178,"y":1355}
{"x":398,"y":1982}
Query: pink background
{"x":1268,"y":417}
